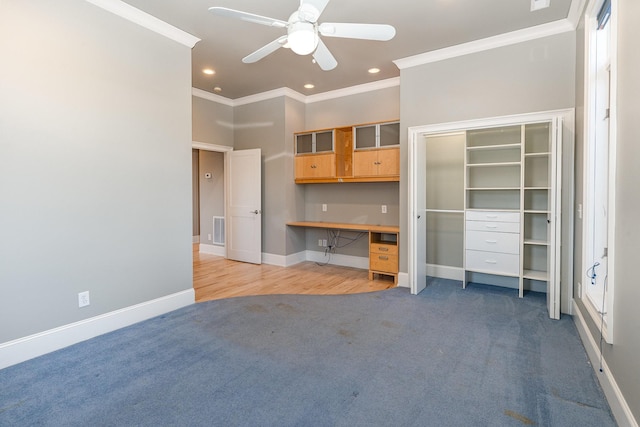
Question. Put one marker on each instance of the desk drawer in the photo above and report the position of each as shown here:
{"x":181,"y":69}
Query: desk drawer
{"x":383,"y":248}
{"x":493,"y":242}
{"x":493,"y":262}
{"x":383,"y":262}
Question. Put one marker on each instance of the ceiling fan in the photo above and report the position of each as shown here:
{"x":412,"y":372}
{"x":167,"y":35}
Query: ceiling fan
{"x":303,"y":32}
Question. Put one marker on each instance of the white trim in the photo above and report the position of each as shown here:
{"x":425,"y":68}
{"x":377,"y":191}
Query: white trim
{"x":211,"y":97}
{"x":22,"y":349}
{"x":339,"y":259}
{"x":575,"y":12}
{"x":403,"y":280}
{"x":514,"y":37}
{"x":445,"y":272}
{"x":195,"y":239}
{"x":212,"y":249}
{"x":354,"y":90}
{"x":271,"y":94}
{"x":617,"y":402}
{"x":130,"y":13}
{"x":284,"y":260}
{"x":210,"y":147}
{"x":284,"y":91}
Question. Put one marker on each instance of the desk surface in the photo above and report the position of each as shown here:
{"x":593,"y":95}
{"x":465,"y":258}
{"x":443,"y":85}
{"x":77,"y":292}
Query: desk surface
{"x":347,"y":226}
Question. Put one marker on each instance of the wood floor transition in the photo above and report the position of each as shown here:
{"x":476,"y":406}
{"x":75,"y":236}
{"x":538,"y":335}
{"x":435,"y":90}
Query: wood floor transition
{"x":215,"y":277}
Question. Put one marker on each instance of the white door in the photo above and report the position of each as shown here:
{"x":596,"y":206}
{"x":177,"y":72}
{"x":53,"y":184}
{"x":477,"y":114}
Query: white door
{"x":554,"y":219}
{"x":245,"y":206}
{"x":418,"y":217}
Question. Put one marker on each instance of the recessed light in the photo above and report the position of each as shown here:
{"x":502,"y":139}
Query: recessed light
{"x":309,"y":86}
{"x":373,"y":70}
{"x":217,"y":89}
{"x":208,"y":71}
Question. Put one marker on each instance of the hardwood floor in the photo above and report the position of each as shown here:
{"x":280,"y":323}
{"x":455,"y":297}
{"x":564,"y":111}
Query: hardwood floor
{"x":215,"y":277}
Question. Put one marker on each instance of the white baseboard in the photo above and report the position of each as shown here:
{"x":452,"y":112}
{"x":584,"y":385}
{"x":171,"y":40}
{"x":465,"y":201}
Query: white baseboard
{"x":195,"y":239}
{"x":213,"y":249}
{"x":284,"y":260}
{"x":444,"y":272}
{"x":403,"y":280}
{"x":617,"y":402}
{"x":22,"y":349}
{"x":338,"y":259}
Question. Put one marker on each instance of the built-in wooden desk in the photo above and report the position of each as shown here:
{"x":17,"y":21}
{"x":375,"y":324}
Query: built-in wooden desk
{"x":383,"y":244}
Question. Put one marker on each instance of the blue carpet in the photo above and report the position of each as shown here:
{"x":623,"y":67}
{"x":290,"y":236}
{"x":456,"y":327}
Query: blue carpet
{"x":447,"y":357}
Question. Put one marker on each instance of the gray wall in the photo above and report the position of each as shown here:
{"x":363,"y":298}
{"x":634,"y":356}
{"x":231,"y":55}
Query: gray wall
{"x":262,"y":125}
{"x":212,"y":122}
{"x":211,"y":191}
{"x":195,"y":193}
{"x":537,"y":75}
{"x":374,"y":106}
{"x":95,"y":164}
{"x":358,"y":203}
{"x":622,"y":356}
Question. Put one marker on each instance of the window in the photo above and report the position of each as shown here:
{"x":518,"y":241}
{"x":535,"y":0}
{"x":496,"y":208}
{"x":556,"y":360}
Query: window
{"x":599,"y":167}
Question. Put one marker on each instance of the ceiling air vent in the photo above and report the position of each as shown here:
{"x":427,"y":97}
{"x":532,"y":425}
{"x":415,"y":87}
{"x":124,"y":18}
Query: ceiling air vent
{"x":539,"y":4}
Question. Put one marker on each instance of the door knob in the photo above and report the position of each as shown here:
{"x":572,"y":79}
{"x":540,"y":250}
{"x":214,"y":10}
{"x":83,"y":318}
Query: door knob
{"x":256,"y":211}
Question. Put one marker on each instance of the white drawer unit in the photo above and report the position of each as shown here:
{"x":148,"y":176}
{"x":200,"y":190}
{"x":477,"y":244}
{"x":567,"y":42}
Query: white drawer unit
{"x":492,"y":241}
{"x":493,"y":262}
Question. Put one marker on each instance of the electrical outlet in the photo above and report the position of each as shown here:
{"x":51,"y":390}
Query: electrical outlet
{"x":324,"y":207}
{"x":83,"y":299}
{"x":319,"y":242}
{"x":324,"y":243}
{"x":384,"y":208}
{"x":209,"y":237}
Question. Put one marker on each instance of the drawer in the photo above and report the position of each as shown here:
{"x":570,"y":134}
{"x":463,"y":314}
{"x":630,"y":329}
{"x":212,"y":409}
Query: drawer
{"x":492,"y":262}
{"x":382,"y":262}
{"x":503,"y":227}
{"x":498,"y":216}
{"x":383,"y":248}
{"x":493,"y":242}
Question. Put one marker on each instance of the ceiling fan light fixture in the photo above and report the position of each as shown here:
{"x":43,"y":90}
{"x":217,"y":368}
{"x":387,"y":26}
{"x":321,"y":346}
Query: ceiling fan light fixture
{"x":302,"y":37}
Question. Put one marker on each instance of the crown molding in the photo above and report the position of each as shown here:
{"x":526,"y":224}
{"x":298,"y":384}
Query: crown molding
{"x":354,"y":90}
{"x":270,"y":94}
{"x":575,"y":12}
{"x":514,"y":37}
{"x":212,"y":97}
{"x":130,"y":13}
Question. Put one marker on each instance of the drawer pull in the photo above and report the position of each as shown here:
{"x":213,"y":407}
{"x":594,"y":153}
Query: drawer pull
{"x":491,"y":241}
{"x":492,"y":226}
{"x":383,"y":249}
{"x":491,"y":261}
{"x":383,"y":257}
{"x":492,"y":216}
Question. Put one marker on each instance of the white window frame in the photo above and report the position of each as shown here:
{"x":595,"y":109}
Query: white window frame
{"x":603,"y":321}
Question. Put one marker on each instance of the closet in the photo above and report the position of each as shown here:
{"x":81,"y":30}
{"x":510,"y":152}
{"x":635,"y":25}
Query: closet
{"x":491,"y":203}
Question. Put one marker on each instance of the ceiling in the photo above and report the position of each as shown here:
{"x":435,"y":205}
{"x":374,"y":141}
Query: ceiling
{"x":421,"y":26}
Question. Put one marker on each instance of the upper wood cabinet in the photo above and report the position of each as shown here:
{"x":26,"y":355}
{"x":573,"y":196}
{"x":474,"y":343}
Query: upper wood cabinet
{"x":330,"y":155}
{"x":377,"y":162}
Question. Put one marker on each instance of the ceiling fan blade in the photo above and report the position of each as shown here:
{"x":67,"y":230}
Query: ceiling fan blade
{"x":317,"y":5}
{"x":265,"y":50}
{"x":324,"y":58}
{"x":249,"y":17}
{"x":381,"y":32}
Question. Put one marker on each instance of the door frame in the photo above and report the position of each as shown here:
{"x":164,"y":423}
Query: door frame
{"x":225,"y":150}
{"x":414,"y":136}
